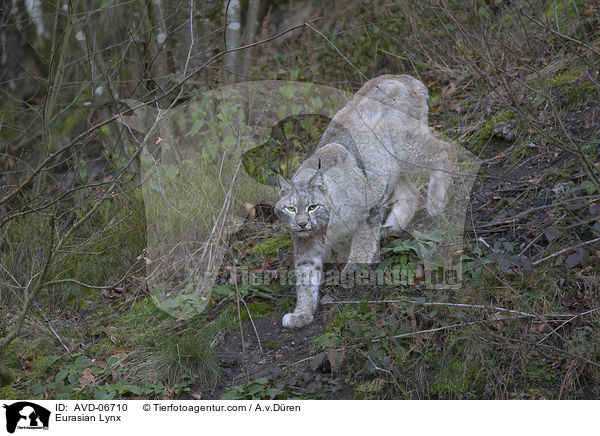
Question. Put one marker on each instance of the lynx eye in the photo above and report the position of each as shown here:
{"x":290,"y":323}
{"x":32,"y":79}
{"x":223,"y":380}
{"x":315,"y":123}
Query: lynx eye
{"x":312,"y":207}
{"x":290,"y":209}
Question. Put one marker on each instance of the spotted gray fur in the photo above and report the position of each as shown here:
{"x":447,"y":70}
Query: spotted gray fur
{"x":360,"y":169}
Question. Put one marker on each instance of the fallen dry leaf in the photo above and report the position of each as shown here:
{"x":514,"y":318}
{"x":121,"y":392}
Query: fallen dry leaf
{"x":87,"y":378}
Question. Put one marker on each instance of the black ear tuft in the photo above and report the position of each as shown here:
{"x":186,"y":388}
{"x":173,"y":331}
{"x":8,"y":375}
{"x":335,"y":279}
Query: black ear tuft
{"x":316,"y":181}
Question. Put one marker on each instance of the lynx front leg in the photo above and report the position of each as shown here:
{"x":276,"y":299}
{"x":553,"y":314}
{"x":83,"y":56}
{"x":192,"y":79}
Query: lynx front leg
{"x":365,"y":245}
{"x":308,"y":258}
{"x":437,"y":193}
{"x":405,"y":200}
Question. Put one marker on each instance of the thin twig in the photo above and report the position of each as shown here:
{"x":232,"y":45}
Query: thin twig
{"x":435,"y":303}
{"x":546,"y":206}
{"x":564,"y":382}
{"x":253,"y":326}
{"x":446,"y":327}
{"x":53,"y":331}
{"x":564,"y":250}
{"x":566,"y":322}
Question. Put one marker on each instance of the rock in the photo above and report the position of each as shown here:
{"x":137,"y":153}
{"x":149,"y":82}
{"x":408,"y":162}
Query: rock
{"x":506,"y":129}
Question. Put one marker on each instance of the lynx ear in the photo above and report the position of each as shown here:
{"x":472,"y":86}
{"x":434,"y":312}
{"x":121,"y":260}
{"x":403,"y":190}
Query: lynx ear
{"x":316,"y":181}
{"x":283,"y":184}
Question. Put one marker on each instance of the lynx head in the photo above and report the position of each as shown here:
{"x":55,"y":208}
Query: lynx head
{"x":303,"y":206}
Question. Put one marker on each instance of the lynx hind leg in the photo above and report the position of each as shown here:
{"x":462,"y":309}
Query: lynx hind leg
{"x":405,"y":200}
{"x":441,"y":178}
{"x":365,"y":245}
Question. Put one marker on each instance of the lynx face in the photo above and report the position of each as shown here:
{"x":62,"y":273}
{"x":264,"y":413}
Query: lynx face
{"x":303,"y":209}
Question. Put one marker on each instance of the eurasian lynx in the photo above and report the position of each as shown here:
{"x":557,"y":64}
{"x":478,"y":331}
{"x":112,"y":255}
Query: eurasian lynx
{"x":361,"y":169}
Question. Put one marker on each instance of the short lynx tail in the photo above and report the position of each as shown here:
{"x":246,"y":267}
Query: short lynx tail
{"x":402,"y":92}
{"x":416,"y":84}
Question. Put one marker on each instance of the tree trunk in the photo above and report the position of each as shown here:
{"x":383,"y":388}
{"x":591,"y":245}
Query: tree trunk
{"x":233,"y":33}
{"x":251,"y":27}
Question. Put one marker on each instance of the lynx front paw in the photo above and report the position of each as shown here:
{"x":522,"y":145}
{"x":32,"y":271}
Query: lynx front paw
{"x":436,"y":207}
{"x":296,"y":320}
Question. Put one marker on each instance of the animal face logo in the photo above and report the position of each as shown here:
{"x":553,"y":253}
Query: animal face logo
{"x":24,"y":414}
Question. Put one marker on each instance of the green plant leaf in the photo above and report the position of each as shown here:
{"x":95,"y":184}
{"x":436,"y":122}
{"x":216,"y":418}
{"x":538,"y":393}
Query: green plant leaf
{"x":234,"y":394}
{"x":60,"y":375}
{"x":104,"y":394}
{"x":589,"y":187}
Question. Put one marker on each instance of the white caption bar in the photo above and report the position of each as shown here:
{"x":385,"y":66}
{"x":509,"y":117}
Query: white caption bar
{"x":150,"y":417}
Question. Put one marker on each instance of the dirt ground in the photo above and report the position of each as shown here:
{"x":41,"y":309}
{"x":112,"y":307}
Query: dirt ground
{"x":270,"y":351}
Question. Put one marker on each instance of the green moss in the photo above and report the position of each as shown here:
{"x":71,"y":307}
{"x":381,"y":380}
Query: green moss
{"x":488,"y":129}
{"x":590,"y":149}
{"x":271,"y":346}
{"x":434,"y":97}
{"x":577,"y":92}
{"x":541,"y":374}
{"x":459,"y":370}
{"x":257,"y":309}
{"x":370,"y":389}
{"x":41,"y":366}
{"x":10,"y":393}
{"x":6,"y":374}
{"x":566,"y":76}
{"x":523,"y":152}
{"x":458,"y":379}
{"x":563,"y":13}
{"x":270,"y":247}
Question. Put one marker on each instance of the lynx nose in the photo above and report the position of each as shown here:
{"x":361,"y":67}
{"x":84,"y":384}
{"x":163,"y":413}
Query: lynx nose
{"x":302,"y":224}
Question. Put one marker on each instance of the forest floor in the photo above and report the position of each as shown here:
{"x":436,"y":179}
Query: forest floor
{"x":454,"y":343}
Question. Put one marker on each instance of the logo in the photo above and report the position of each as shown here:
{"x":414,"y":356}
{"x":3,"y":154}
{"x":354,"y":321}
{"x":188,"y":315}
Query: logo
{"x":26,"y":415}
